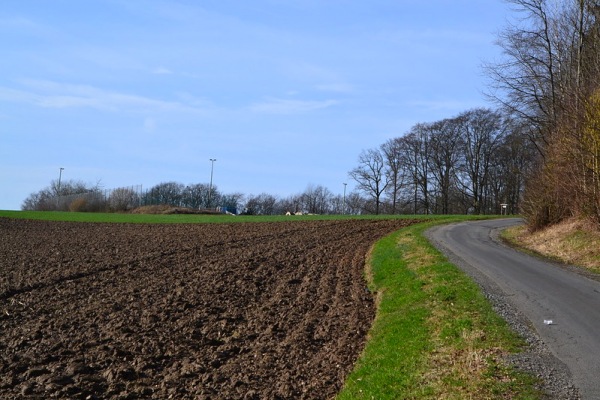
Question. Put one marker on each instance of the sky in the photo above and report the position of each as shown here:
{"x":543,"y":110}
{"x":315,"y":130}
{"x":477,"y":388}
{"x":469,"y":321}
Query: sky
{"x":284,"y":94}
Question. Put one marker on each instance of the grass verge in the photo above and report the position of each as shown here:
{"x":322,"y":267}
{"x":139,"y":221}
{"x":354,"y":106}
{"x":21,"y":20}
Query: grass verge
{"x":435,"y":335}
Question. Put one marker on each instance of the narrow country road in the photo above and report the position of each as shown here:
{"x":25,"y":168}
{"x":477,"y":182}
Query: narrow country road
{"x":542,"y":291}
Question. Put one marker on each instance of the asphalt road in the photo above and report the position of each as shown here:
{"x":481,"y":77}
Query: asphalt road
{"x":541,"y":291}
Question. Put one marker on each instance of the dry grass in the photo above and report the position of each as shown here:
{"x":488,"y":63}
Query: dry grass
{"x":572,"y":241}
{"x":461,"y":373}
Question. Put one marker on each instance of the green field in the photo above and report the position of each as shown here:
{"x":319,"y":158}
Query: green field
{"x":435,"y":335}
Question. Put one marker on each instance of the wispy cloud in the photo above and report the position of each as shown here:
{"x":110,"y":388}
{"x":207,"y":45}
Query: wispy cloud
{"x":286,"y":106}
{"x":51,"y":94}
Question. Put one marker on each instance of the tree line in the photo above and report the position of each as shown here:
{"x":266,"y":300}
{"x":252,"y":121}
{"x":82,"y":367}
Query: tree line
{"x":473,"y":163}
{"x":77,"y":196}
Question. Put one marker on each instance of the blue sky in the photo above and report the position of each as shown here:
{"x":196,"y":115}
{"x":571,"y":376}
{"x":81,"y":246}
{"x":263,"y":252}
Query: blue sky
{"x":283,"y":93}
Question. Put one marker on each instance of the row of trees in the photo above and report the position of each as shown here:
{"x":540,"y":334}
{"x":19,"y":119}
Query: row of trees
{"x":78,"y":196}
{"x":314,"y":200}
{"x":549,"y":81}
{"x":199,"y":195}
{"x":472,"y":163}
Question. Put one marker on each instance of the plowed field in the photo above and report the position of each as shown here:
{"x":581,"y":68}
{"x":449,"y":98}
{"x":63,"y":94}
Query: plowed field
{"x":219,"y":311}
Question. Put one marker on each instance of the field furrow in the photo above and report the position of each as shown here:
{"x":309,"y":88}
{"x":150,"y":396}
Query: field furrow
{"x":247,"y":310}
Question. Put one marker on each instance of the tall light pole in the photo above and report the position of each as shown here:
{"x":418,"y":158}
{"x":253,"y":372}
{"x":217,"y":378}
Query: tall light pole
{"x":212,"y":165}
{"x":59,"y":178}
{"x":344,"y":207}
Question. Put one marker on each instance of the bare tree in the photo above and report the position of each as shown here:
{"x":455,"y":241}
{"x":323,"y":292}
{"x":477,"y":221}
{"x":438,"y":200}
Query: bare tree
{"x":316,"y":199}
{"x":355,"y":203}
{"x":446,"y":145}
{"x":513,"y":161}
{"x":392,"y":151}
{"x":525,"y":83}
{"x":42,"y":200}
{"x":167,"y":193}
{"x":262,"y":204}
{"x":482,"y":131}
{"x":123,"y":199}
{"x":195,"y":195}
{"x":415,"y":157}
{"x":370,"y":176}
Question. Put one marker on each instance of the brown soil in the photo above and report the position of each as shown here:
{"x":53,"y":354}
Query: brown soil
{"x":223,"y":311}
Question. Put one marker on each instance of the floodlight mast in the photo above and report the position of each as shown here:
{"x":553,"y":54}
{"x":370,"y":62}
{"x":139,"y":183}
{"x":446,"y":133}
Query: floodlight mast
{"x":344,"y":204}
{"x":212,"y":165}
{"x":59,"y":179}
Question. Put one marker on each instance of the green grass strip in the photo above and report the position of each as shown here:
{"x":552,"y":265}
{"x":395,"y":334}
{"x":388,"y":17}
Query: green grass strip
{"x":435,"y":335}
